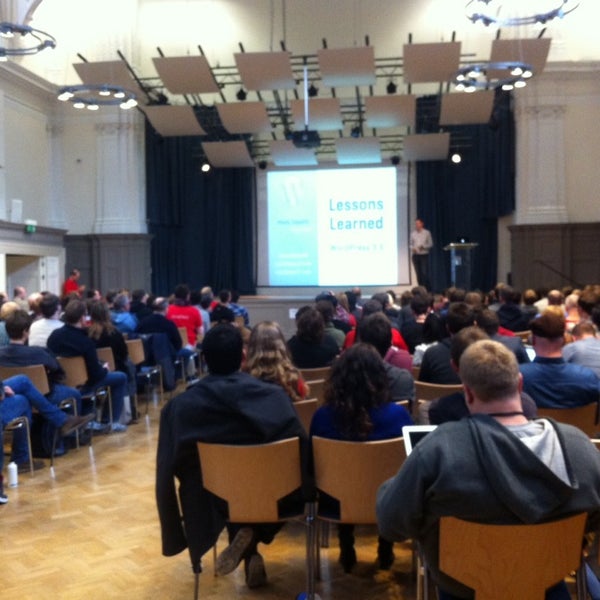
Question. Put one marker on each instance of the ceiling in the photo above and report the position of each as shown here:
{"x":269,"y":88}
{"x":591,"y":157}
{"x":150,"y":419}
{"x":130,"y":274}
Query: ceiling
{"x":186,"y":89}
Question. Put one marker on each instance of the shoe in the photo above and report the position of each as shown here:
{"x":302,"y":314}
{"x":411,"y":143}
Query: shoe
{"x":231,"y":557}
{"x":3,"y":496}
{"x":25,"y":468}
{"x":347,"y":559}
{"x":256,"y":576}
{"x":96,"y":426}
{"x":75,"y":422}
{"x":118,"y":427}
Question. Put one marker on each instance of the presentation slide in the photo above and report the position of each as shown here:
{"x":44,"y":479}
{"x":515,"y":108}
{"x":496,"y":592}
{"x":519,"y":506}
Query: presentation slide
{"x":330,"y":227}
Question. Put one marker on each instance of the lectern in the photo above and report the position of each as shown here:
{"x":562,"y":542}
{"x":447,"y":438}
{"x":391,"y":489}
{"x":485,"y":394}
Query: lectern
{"x":460,"y":264}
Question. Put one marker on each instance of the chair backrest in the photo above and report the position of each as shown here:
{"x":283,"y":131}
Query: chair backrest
{"x":75,"y":370}
{"x":36,"y":373}
{"x":352,"y":472}
{"x":318,"y":373}
{"x":510,"y":561}
{"x":316,"y":390}
{"x":415,"y":372}
{"x":432,"y":391}
{"x":105,"y":355}
{"x":251,"y":478}
{"x":584,"y":417}
{"x":135,"y":348}
{"x":305,"y":409}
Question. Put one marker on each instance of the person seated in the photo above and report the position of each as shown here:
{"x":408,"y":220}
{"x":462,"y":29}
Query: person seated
{"x":377,"y":331}
{"x":549,"y":380}
{"x":268,"y":358}
{"x":222,"y":312}
{"x":17,"y":397}
{"x":105,"y":334}
{"x":494,"y":467}
{"x":454,"y":407}
{"x":358,"y":407}
{"x":139,"y":307}
{"x":40,"y":329}
{"x":509,"y":313}
{"x":228,"y":407}
{"x":238,"y":309}
{"x":326,"y":308}
{"x":310,"y":347}
{"x":122,"y":319}
{"x":488,"y":321}
{"x":72,"y":340}
{"x":585,"y":348}
{"x":184,"y":315}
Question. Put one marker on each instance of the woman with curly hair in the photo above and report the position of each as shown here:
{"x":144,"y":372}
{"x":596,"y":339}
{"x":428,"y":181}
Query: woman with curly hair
{"x":358,"y":407}
{"x":268,"y":359}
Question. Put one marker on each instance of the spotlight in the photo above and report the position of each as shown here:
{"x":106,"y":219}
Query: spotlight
{"x":355,"y":132}
{"x":241,"y":95}
{"x":312,"y":91}
{"x":395,"y":160}
{"x":205,"y":168}
{"x":391,"y":88}
{"x":262,"y":165}
{"x":456,"y":158}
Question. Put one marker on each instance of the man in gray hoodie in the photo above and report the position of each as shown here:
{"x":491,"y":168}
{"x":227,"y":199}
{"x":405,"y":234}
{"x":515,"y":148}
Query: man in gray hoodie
{"x":494,"y":466}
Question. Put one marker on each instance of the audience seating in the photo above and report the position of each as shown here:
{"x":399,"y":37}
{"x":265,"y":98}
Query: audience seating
{"x":105,"y":355}
{"x":585,"y":417}
{"x":252,"y":479}
{"x":351,"y":472}
{"x":425,"y":393}
{"x":39,"y":378}
{"x":145,"y":373}
{"x":313,"y":374}
{"x":316,"y":390}
{"x":512,"y":561}
{"x":524,"y":335}
{"x":305,"y":410}
{"x":76,"y":376}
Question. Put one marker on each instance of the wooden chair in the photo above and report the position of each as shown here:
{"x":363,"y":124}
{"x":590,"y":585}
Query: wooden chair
{"x":39,"y":378}
{"x":105,"y":355}
{"x":585,"y":417}
{"x":512,"y":561}
{"x":305,"y":409}
{"x":316,"y":389}
{"x":351,"y":472}
{"x":313,"y":374}
{"x":252,"y":479}
{"x":146,"y":373}
{"x":415,"y":372}
{"x":185,"y":342}
{"x":425,"y":393}
{"x":76,"y":376}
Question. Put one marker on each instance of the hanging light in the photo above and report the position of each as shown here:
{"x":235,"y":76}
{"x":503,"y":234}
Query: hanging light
{"x":492,"y":75}
{"x":31,"y":41}
{"x":94,"y":96}
{"x":515,"y":13}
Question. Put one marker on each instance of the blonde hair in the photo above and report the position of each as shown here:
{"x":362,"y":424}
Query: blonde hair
{"x":268,"y":358}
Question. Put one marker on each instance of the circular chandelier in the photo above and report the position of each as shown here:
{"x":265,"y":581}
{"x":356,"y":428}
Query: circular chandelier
{"x":492,"y":75}
{"x":504,"y":14}
{"x":33,"y":40}
{"x":94,"y":96}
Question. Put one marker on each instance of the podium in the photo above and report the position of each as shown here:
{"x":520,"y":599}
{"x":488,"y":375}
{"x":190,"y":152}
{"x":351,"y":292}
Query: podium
{"x":460,"y":264}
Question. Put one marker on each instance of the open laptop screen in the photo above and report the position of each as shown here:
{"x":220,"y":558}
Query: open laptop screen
{"x":413,"y":434}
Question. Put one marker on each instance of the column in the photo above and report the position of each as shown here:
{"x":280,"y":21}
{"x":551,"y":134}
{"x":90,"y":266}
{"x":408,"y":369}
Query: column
{"x":540,"y":184}
{"x":120,"y":185}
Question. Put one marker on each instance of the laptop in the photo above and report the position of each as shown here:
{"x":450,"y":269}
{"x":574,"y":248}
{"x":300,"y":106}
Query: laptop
{"x":413,"y":434}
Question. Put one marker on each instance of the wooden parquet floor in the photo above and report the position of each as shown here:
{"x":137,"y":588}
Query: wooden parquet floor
{"x":92,"y":533}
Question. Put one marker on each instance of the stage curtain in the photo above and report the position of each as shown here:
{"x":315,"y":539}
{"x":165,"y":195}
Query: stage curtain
{"x":202,"y":223}
{"x":466,"y":199}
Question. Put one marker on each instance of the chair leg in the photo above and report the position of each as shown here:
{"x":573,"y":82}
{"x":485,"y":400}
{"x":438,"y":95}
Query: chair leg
{"x":28,"y":430}
{"x":311,"y":549}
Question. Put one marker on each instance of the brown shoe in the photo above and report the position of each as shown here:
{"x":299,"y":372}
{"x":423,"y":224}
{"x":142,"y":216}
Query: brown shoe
{"x":74,"y":422}
{"x":25,"y":468}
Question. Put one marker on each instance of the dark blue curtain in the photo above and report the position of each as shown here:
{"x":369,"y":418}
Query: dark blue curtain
{"x":466,"y":199}
{"x":202,"y":223}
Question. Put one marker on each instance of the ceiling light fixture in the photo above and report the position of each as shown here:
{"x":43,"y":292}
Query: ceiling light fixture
{"x":313,"y":91}
{"x":391,"y":87}
{"x":205,"y":168}
{"x":512,"y":14}
{"x":94,"y":96}
{"x":241,"y":94}
{"x":31,"y":40}
{"x":492,"y":75}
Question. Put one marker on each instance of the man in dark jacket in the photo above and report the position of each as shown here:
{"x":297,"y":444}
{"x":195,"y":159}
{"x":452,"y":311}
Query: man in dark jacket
{"x":494,"y":467}
{"x":229,"y":407}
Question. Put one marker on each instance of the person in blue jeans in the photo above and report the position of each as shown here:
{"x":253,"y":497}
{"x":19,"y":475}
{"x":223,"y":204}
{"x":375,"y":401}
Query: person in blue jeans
{"x":19,"y":395}
{"x":72,"y":340}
